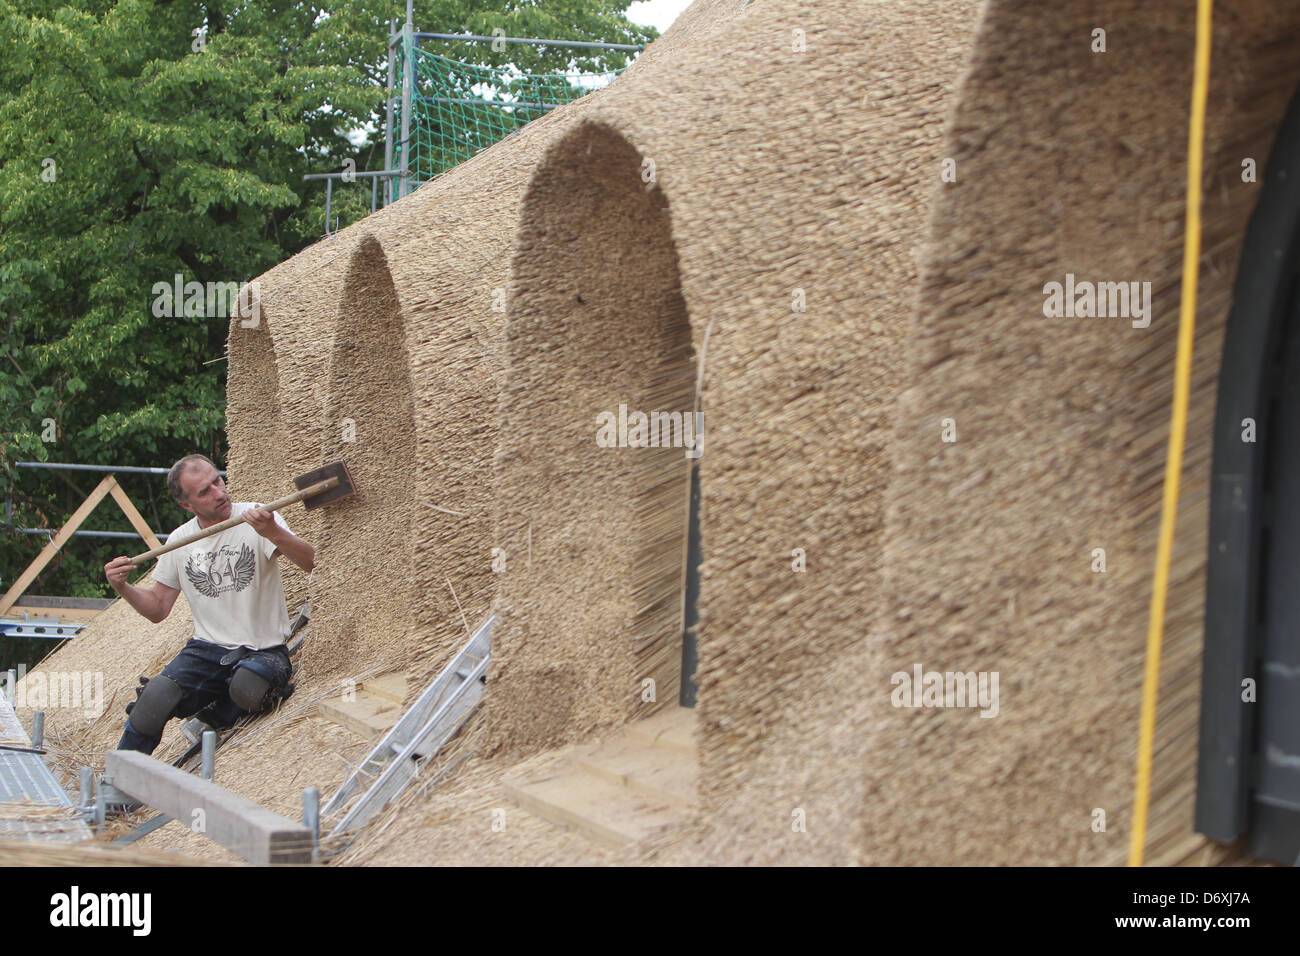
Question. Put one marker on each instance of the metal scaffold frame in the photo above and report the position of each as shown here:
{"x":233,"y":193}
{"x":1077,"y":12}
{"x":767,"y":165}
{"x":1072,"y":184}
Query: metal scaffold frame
{"x":397,"y":176}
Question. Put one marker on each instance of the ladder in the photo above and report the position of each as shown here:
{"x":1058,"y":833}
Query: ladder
{"x":28,"y":629}
{"x":429,"y":723}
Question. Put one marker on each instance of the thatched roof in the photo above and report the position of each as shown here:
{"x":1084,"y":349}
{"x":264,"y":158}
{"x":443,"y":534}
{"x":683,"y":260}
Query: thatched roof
{"x":851,"y":301}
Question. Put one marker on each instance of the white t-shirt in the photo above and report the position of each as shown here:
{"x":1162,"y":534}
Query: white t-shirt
{"x":232,"y":581}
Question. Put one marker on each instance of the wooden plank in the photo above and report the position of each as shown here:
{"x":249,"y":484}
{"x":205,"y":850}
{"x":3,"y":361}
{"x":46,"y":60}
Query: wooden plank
{"x":368,"y":716}
{"x":391,"y":686}
{"x":52,"y":548}
{"x":598,"y":809}
{"x":673,"y":728}
{"x":658,"y":772}
{"x":132,"y":515}
{"x":45,"y":615}
{"x":237,"y":823}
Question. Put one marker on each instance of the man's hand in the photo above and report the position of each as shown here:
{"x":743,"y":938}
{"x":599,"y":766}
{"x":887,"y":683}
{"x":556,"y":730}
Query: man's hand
{"x":263,"y":522}
{"x":286,"y":542}
{"x":154,"y":605}
{"x":117,"y":571}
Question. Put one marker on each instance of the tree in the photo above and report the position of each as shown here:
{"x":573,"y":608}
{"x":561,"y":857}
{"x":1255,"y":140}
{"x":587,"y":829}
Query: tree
{"x":141,"y":141}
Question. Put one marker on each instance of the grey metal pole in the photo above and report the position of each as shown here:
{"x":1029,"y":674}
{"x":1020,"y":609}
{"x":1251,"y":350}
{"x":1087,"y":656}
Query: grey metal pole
{"x":408,"y":69}
{"x":38,"y":730}
{"x":101,"y":808}
{"x":208,"y":759}
{"x":64,"y":466}
{"x":311,"y":818}
{"x":388,"y":112}
{"x":329,"y":196}
{"x":11,"y":678}
{"x":359,"y":173}
{"x":51,"y":532}
{"x":536,"y":41}
{"x":86,"y":798}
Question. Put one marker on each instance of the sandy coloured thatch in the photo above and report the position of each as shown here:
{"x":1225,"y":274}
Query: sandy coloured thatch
{"x":758,"y":205}
{"x":1079,"y":166}
{"x":87,"y":854}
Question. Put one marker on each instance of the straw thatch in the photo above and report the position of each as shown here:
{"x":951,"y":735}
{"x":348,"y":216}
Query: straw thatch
{"x":593,"y":537}
{"x":1076,"y":167}
{"x":87,"y":854}
{"x":758,"y":205}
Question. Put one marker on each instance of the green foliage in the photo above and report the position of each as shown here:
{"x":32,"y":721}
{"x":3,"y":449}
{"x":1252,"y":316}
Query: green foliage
{"x":140,"y":140}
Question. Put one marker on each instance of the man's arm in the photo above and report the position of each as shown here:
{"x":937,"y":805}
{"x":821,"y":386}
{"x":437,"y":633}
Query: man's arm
{"x":286,"y":542}
{"x":154,"y":604}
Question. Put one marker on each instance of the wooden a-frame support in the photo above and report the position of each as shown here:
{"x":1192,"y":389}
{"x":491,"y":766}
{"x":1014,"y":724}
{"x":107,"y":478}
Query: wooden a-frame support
{"x":108,"y":486}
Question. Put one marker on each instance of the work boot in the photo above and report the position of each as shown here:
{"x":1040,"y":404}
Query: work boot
{"x":194,"y":728}
{"x":115,"y":801}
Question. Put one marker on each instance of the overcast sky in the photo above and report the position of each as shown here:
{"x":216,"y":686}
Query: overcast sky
{"x":657,"y":13}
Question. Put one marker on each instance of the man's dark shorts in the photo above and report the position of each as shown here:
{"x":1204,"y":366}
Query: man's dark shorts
{"x":203,"y":672}
{"x":199,"y":671}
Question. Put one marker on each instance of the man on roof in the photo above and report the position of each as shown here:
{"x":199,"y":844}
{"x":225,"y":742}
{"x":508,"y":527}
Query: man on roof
{"x":237,"y":661}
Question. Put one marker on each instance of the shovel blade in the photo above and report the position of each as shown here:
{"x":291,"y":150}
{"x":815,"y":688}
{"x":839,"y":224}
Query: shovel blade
{"x":335,"y":469}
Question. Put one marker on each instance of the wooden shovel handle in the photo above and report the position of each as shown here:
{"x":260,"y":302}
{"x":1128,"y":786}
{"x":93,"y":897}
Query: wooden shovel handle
{"x":230,"y":522}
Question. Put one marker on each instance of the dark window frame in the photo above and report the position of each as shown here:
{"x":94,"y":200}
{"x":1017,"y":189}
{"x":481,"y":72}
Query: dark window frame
{"x":1263,"y":295}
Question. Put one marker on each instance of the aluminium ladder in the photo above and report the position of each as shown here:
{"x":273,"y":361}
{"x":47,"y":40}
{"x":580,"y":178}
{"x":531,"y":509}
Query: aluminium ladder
{"x":429,"y":723}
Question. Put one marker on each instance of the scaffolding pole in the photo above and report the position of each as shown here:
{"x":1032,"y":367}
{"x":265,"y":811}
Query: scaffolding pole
{"x":408,"y":73}
{"x":388,"y":110}
{"x":587,"y":44}
{"x":64,"y":466}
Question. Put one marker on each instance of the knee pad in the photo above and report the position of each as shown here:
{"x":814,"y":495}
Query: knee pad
{"x":249,"y":689}
{"x":157,"y":703}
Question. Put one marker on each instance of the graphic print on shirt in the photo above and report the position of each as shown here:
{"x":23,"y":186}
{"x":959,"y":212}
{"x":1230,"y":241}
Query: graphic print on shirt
{"x":215,"y":572}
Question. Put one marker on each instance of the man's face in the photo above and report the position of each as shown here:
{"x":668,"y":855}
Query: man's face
{"x":205,"y":492}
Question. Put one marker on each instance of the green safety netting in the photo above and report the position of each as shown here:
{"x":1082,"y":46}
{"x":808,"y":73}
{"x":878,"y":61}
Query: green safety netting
{"x":459,"y":108}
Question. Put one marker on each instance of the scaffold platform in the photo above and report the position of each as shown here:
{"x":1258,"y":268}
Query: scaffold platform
{"x":33,"y":807}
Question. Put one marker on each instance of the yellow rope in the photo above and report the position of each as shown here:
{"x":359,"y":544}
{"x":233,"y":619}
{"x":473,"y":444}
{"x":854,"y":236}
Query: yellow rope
{"x":1177,"y":433}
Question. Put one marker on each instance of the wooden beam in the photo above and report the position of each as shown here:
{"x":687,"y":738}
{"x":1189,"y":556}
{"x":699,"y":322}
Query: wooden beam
{"x":39,"y":614}
{"x":237,"y":823}
{"x":52,"y":548}
{"x":132,"y":515}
